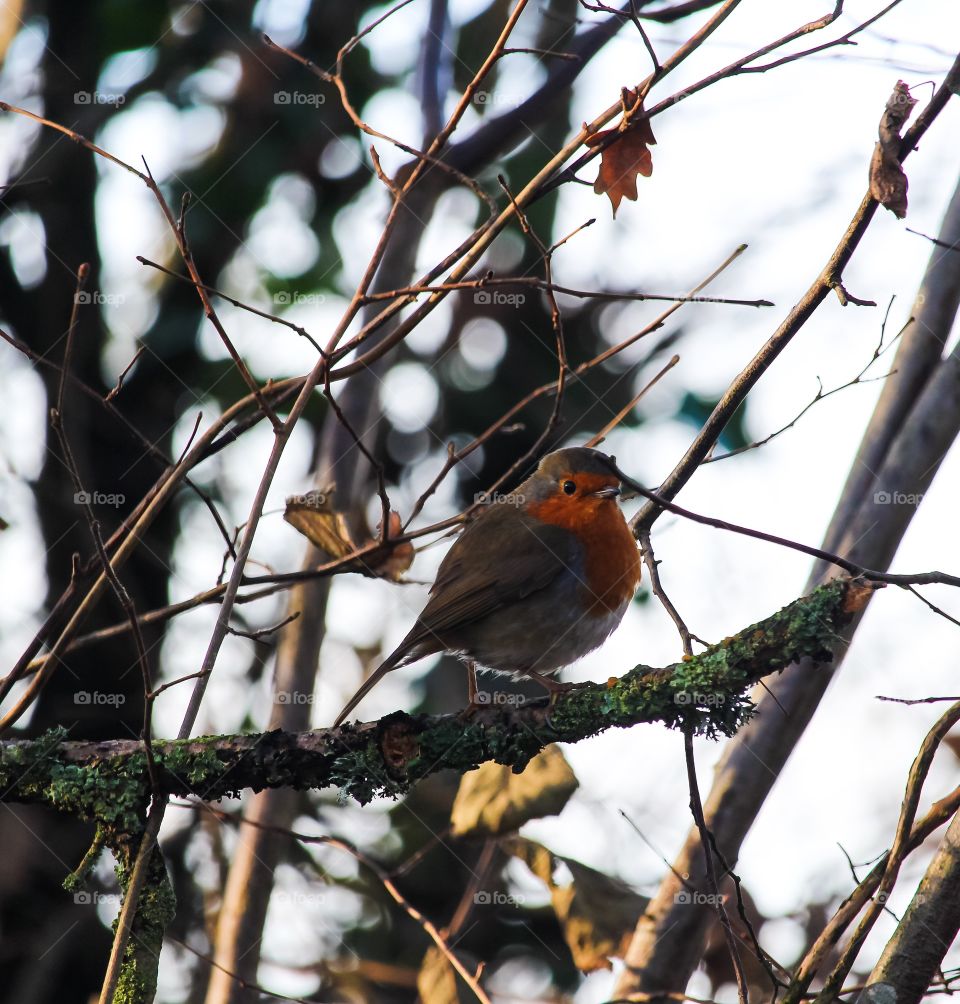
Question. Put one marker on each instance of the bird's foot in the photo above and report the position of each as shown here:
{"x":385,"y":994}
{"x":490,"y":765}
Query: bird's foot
{"x":470,"y":710}
{"x":554,"y":689}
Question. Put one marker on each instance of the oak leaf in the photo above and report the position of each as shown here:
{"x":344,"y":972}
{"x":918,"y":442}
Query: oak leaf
{"x":625,"y":157}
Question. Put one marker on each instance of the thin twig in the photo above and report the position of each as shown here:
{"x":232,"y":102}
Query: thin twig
{"x":921,"y":578}
{"x":697,"y":809}
{"x":382,"y":876}
{"x":261,"y":633}
{"x":115,"y":413}
{"x":821,"y":395}
{"x":123,"y":375}
{"x":795,"y":320}
{"x":301,"y":331}
{"x":455,"y":457}
{"x":599,"y":437}
{"x":646,"y":551}
{"x":882,"y":877}
{"x":177,"y":226}
{"x":57,"y":421}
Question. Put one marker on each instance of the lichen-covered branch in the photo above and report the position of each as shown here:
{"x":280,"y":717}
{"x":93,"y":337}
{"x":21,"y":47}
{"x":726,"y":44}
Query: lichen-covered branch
{"x":108,"y":780}
{"x":913,"y":956}
{"x":156,"y":906}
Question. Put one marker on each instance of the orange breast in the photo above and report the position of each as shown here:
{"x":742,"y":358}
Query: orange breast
{"x":612,"y":565}
{"x":613,"y":561}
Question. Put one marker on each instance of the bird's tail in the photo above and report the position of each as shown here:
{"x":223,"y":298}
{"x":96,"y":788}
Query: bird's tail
{"x":391,"y":662}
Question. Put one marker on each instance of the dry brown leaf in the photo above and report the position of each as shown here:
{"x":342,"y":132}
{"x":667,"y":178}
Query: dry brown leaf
{"x":437,"y":981}
{"x":626,"y":157}
{"x":858,"y":595}
{"x":399,"y":557}
{"x":535,"y":856}
{"x":314,"y":516}
{"x":492,"y":800}
{"x":598,"y":913}
{"x":888,"y":182}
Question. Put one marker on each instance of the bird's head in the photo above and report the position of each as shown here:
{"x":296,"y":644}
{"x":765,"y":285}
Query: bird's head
{"x":570,"y":486}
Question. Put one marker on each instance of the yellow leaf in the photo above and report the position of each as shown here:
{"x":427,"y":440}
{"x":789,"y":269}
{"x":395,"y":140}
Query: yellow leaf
{"x":492,"y":800}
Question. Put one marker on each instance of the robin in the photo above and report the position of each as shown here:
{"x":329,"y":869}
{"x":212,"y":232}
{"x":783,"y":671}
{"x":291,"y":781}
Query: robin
{"x":539,"y":579}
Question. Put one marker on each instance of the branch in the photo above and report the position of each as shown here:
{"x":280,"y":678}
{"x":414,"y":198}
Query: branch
{"x":912,"y":958}
{"x":894,"y":860}
{"x":107,"y":780}
{"x":827,"y":280}
{"x":903,"y":446}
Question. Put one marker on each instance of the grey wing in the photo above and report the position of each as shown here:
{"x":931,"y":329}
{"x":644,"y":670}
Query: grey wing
{"x":501,"y":571}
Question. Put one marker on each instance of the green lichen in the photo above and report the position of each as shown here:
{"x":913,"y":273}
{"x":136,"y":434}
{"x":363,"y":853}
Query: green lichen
{"x":156,"y":907}
{"x":113,"y":793}
{"x":194,"y":760}
{"x":75,"y":881}
{"x":360,"y":774}
{"x":707,"y":694}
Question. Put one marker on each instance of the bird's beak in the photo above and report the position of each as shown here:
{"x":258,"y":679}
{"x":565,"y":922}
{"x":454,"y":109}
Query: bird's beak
{"x":607,"y":493}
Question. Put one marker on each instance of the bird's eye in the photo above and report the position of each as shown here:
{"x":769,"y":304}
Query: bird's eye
{"x":569,"y":487}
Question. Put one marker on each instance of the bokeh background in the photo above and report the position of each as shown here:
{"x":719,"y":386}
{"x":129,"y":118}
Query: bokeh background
{"x":285,"y":212}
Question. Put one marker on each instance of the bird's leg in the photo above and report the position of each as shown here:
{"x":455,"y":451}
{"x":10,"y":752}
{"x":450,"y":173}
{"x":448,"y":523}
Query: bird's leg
{"x":473,"y":705}
{"x":471,"y":682}
{"x":553,"y":687}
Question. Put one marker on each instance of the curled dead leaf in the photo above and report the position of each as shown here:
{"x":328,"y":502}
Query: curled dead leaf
{"x":625,"y":157}
{"x":888,"y":182}
{"x":314,"y":516}
{"x":858,"y":595}
{"x":399,"y":557}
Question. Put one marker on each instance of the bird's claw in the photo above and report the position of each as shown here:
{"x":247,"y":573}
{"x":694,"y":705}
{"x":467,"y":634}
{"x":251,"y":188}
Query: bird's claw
{"x":469,"y":711}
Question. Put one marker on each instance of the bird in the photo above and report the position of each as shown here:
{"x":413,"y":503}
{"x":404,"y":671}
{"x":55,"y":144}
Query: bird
{"x":540,"y":578}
